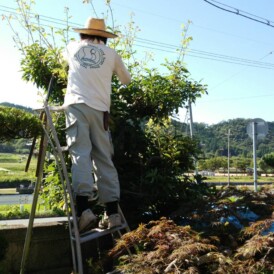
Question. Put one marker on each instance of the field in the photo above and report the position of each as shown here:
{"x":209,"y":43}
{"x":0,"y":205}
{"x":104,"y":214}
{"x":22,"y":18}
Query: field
{"x":12,"y":168}
{"x":237,"y":178}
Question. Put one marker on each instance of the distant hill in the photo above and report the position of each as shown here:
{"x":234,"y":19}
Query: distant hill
{"x":6,"y":104}
{"x":214,"y":138}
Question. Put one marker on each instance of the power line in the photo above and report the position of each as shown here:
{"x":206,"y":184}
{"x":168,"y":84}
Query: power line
{"x":176,"y":20}
{"x":146,"y":12}
{"x":34,"y":15}
{"x":241,"y":13}
{"x":229,"y":59}
{"x":238,"y":98}
{"x":237,"y":73}
{"x":150,"y":44}
{"x":202,"y":54}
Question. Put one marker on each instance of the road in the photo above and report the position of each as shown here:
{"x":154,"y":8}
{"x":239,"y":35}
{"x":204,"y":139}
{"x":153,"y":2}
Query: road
{"x":238,"y":183}
{"x":12,"y":199}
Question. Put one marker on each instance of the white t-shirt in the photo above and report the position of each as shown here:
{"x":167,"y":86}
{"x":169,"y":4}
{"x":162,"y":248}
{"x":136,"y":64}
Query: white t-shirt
{"x":91,"y":66}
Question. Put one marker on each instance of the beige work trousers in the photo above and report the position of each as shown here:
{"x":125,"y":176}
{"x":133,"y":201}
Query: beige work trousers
{"x":91,"y":153}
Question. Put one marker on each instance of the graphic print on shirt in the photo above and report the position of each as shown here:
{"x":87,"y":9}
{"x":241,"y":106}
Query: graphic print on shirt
{"x":90,"y":56}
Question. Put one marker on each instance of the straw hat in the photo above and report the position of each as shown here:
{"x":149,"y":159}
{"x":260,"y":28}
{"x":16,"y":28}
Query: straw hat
{"x":96,"y":27}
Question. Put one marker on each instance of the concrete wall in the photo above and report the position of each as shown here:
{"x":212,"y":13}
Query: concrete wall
{"x":50,"y":249}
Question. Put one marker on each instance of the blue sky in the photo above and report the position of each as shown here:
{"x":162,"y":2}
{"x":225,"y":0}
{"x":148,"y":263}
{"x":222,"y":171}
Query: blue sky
{"x":220,"y":40}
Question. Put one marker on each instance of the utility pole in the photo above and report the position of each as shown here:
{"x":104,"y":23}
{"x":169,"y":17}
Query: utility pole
{"x":254,"y":131}
{"x":228,"y":157}
{"x":190,"y":119}
{"x":191,"y":131}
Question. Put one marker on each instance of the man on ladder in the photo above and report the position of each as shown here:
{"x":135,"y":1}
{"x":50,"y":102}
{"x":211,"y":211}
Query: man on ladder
{"x":87,"y":105}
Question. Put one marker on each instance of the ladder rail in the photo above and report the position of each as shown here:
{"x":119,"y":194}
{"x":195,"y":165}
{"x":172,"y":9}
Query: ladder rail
{"x":26,"y":248}
{"x":79,"y":239}
{"x":50,"y":137}
{"x":62,"y":168}
{"x":59,"y":168}
{"x":39,"y":175}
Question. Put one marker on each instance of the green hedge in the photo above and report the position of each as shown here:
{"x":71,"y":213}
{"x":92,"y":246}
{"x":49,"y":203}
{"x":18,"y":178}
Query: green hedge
{"x":16,"y":123}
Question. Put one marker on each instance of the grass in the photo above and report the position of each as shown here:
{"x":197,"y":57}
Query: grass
{"x":5,"y":208}
{"x":10,"y":157}
{"x":12,"y":168}
{"x":238,"y":178}
{"x":8,"y":212}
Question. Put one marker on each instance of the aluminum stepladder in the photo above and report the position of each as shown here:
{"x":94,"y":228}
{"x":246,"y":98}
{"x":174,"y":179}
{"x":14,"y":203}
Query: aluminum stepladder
{"x":50,"y":137}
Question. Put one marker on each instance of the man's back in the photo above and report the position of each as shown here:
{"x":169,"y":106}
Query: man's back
{"x":91,"y":67}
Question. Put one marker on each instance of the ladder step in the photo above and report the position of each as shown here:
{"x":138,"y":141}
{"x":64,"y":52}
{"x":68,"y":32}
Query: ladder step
{"x":51,"y":108}
{"x":97,"y":232}
{"x":57,"y":108}
{"x":51,"y":138}
{"x":64,"y":148}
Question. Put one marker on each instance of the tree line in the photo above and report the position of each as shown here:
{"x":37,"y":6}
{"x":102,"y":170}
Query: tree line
{"x":215,"y":140}
{"x":151,"y":152}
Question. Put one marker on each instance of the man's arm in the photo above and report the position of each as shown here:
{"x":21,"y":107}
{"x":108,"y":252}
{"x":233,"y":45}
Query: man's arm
{"x":121,"y":71}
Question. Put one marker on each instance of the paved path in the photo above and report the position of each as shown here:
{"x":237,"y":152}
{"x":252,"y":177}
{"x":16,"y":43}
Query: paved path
{"x":25,"y":222}
{"x":4,"y":169}
{"x":16,"y":199}
{"x":238,"y":183}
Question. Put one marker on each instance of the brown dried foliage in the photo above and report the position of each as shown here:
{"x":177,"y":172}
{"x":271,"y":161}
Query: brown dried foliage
{"x":164,"y":247}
